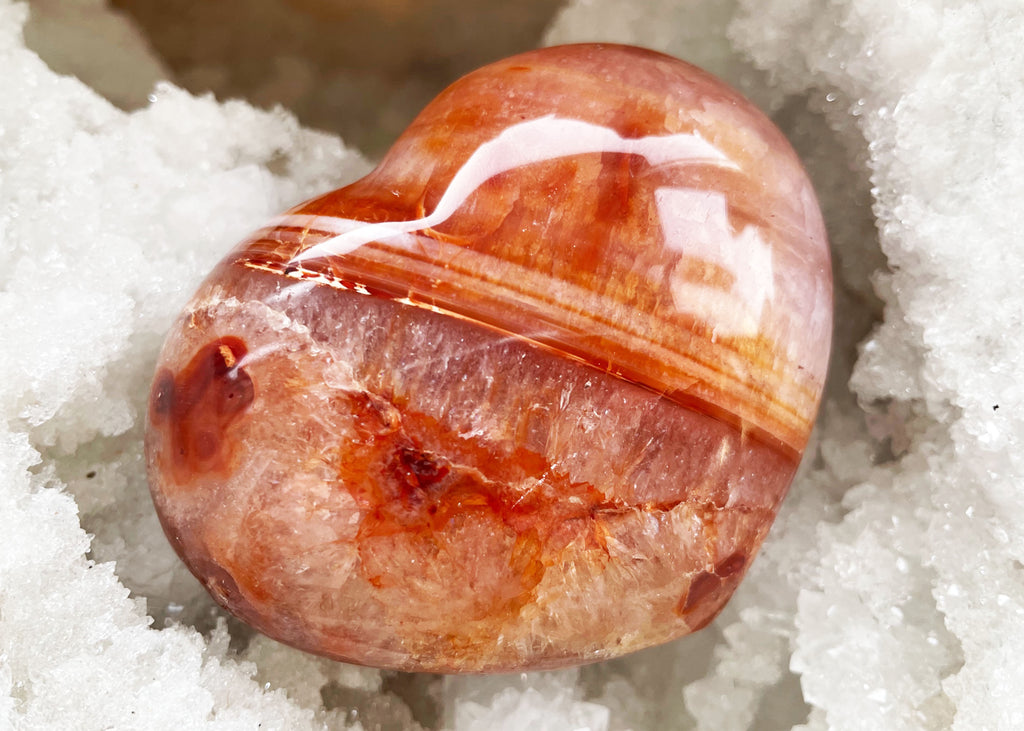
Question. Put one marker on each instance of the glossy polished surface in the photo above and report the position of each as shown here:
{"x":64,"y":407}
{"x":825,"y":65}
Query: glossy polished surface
{"x":527,"y":395}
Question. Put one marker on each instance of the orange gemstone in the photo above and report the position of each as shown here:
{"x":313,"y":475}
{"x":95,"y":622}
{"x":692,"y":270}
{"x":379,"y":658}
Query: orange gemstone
{"x":528,"y":395}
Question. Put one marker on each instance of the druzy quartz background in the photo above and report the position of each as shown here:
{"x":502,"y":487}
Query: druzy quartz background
{"x":527,"y":395}
{"x":889,"y":592}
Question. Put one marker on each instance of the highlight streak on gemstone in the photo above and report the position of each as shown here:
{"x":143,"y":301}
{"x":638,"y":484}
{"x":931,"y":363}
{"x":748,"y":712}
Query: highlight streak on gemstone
{"x":537,"y":140}
{"x":696,"y":222}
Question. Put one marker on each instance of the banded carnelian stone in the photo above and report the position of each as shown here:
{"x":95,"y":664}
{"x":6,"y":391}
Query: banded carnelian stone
{"x":528,"y":395}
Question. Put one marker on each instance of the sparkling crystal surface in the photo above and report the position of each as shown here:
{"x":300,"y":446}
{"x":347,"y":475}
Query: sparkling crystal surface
{"x":528,"y":395}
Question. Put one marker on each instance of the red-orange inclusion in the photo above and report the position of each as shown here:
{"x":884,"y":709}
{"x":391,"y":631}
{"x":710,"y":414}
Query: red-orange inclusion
{"x":528,"y":395}
{"x":198,"y":406}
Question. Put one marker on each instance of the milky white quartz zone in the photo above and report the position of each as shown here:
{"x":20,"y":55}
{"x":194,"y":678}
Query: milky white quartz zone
{"x":890,"y":594}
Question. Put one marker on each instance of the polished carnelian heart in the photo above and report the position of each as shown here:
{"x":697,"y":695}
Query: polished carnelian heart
{"x":528,"y":395}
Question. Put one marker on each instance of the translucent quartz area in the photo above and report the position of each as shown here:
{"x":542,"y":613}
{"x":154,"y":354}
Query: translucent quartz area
{"x":528,"y":395}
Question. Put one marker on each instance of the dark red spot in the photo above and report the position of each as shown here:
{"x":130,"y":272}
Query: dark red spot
{"x":200,"y":404}
{"x":709,"y":589}
{"x":225,"y":586}
{"x":422,"y":468}
{"x":702,"y":587}
{"x":161,"y":398}
{"x":731,"y":565}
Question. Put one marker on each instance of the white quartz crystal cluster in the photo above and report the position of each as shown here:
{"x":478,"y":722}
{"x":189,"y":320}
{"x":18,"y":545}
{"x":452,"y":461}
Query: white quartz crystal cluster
{"x":890,"y":594}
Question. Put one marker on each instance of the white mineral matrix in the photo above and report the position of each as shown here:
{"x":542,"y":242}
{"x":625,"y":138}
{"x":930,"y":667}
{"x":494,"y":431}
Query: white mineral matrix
{"x":890,"y":593}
